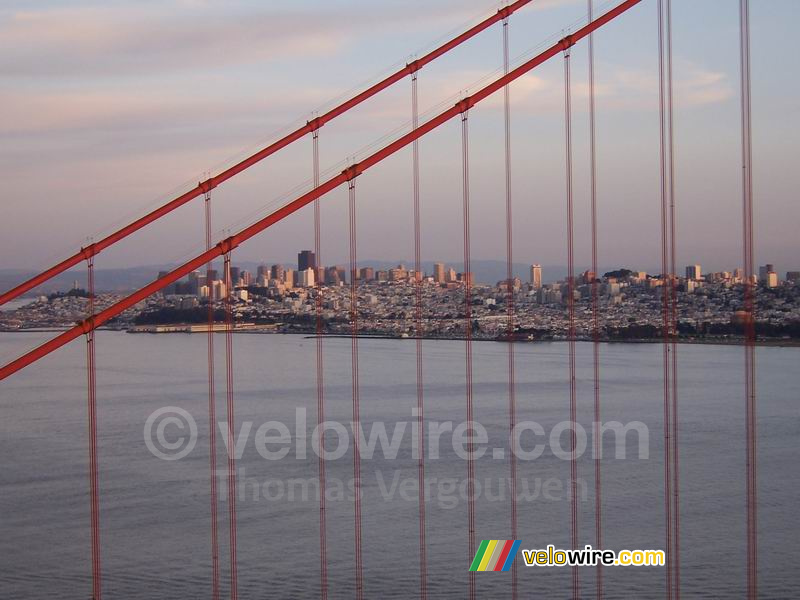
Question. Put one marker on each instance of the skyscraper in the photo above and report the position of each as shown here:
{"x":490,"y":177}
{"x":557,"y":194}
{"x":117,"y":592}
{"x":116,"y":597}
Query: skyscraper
{"x":438,"y":272}
{"x":306,"y":260}
{"x":763,"y":272}
{"x":276,"y":272}
{"x":536,"y":276}
{"x":693,"y":272}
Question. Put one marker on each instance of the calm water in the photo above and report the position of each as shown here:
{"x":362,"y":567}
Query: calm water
{"x":155,"y":513}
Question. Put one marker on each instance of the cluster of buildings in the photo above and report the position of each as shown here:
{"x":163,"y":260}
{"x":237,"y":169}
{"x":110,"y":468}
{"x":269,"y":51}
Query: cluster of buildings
{"x":287,"y":299}
{"x":291,"y":298}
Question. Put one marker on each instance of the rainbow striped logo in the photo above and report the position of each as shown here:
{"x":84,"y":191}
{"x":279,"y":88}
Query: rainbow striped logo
{"x":495,"y":555}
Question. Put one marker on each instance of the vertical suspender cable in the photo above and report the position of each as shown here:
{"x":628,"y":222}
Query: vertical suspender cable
{"x":512,"y":405}
{"x":351,"y":186}
{"x":468,"y":346}
{"x":598,"y":442}
{"x":212,"y":416}
{"x":94,"y":484}
{"x":665,"y":308}
{"x":231,"y":449}
{"x":423,"y":559}
{"x":323,"y":543}
{"x":573,"y":409}
{"x":673,"y":290}
{"x":749,"y":304}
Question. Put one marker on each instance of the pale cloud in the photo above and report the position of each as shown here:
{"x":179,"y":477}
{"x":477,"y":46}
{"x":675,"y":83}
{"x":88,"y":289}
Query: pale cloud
{"x":97,"y":41}
{"x":616,"y":87}
{"x":89,"y":41}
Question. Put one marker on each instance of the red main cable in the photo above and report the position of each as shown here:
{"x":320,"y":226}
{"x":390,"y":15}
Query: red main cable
{"x":245,"y":234}
{"x":467,"y":284}
{"x":351,"y":188}
{"x":248,"y":162}
{"x":423,"y":559}
{"x":212,"y":416}
{"x":573,"y":409}
{"x":598,"y":442}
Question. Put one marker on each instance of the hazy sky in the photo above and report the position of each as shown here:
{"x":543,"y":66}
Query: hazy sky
{"x":109,"y":108}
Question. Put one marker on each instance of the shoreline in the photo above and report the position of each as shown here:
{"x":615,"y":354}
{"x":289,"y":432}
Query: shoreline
{"x":776,"y":343}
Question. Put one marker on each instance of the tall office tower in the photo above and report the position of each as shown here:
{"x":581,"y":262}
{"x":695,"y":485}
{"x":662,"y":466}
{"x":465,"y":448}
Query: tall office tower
{"x":450,"y":276}
{"x":306,"y":260}
{"x":763,"y":272}
{"x":438,"y":272}
{"x":536,"y":276}
{"x":262,"y":270}
{"x":342,"y":274}
{"x":331,"y":276}
{"x":772,"y":279}
{"x":693,"y":272}
{"x":288,"y":278}
{"x":738,"y":274}
{"x":211,"y":276}
{"x":399,"y":273}
{"x":235,"y":274}
{"x":792,"y":275}
{"x":367,"y":274}
{"x":246,"y":278}
{"x":276,"y":272}
{"x":218,"y":290}
{"x":306,"y":278}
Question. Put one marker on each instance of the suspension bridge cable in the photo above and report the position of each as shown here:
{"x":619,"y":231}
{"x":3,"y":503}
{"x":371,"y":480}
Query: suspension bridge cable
{"x":512,"y":405}
{"x":323,"y":543}
{"x":598,"y":442}
{"x":254,"y":229}
{"x":229,"y":325}
{"x":673,"y":326}
{"x":467,"y":286}
{"x":573,"y":409}
{"x":749,"y":304}
{"x":666,"y":281}
{"x":94,"y":485}
{"x":212,"y":414}
{"x":257,"y":157}
{"x":359,"y":564}
{"x":423,"y":559}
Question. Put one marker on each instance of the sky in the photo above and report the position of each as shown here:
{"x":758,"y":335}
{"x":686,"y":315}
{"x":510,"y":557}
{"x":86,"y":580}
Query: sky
{"x":110,"y":108}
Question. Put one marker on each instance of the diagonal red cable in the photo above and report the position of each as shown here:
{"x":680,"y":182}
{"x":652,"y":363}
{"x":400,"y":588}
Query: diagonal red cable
{"x":245,"y":234}
{"x":248,"y":162}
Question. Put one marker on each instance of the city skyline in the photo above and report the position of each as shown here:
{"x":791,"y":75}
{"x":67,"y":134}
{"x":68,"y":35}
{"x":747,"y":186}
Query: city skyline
{"x":179,"y":131}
